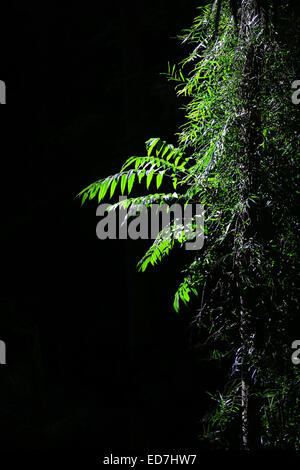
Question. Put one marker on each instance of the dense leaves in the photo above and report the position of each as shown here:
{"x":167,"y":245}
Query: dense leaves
{"x":237,"y":154}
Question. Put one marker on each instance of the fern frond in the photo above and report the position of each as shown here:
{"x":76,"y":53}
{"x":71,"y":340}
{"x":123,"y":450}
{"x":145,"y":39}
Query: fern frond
{"x":183,"y":292}
{"x":159,"y":249}
{"x":164,"y":242}
{"x":147,"y":200}
{"x":167,"y":161}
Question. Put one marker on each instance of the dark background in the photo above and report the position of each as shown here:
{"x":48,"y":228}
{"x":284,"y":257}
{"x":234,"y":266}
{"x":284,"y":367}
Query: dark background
{"x":96,"y":356}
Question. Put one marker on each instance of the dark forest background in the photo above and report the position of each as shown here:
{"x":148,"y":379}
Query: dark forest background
{"x":96,"y":356}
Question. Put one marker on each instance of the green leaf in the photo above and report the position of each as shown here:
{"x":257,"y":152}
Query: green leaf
{"x":177,"y":160}
{"x":137,"y":163}
{"x":151,"y":144}
{"x":165,"y":150}
{"x":176,"y":302}
{"x":159,"y":179}
{"x":113,"y":187}
{"x":173,"y":151}
{"x":123,"y":183}
{"x":141,"y":174}
{"x":94,"y":191}
{"x":149,"y":178}
{"x":130,"y":182}
{"x":103,"y":190}
{"x":84,"y":198}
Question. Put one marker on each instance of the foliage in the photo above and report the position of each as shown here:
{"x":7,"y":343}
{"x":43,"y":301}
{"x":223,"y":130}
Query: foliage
{"x":237,"y":154}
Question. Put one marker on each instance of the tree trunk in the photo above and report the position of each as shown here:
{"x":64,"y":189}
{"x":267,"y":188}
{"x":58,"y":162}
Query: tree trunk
{"x":252,"y":15}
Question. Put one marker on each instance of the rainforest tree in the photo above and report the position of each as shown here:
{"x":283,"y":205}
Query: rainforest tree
{"x":237,"y":154}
